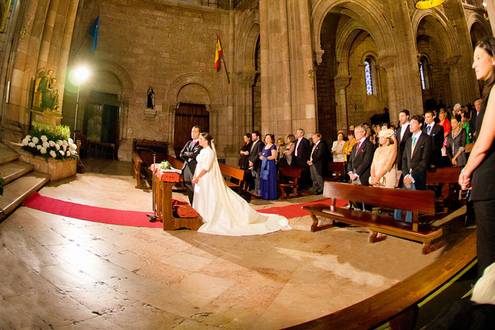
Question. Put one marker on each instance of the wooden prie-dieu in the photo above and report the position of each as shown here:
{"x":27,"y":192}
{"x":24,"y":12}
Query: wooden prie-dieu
{"x":163,"y":204}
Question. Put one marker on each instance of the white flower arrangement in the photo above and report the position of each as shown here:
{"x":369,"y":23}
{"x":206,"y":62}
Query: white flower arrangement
{"x":47,"y":146}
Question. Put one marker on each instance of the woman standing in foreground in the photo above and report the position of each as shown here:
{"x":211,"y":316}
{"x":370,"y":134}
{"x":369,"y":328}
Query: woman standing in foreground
{"x":224,"y":212}
{"x":479,"y":170}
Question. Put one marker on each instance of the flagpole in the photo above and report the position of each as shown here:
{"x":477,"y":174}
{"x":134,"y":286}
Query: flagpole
{"x":223,"y":61}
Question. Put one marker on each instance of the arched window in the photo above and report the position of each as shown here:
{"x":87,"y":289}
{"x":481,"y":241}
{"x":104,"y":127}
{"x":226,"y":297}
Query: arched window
{"x":423,"y":73}
{"x":369,"y":75}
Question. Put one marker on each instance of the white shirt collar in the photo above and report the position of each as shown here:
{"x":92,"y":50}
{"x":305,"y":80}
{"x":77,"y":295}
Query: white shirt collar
{"x":417,"y":134}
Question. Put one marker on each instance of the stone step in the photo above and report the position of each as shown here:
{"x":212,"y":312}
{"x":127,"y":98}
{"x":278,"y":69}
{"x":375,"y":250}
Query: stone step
{"x":17,"y":191}
{"x":13,"y":170}
{"x":7,"y":154}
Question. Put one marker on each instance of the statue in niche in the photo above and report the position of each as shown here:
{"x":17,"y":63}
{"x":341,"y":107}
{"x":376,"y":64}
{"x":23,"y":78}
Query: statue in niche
{"x":46,"y":92}
{"x":150,"y":100}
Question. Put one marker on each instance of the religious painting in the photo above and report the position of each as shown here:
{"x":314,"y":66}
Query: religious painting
{"x":5,"y":12}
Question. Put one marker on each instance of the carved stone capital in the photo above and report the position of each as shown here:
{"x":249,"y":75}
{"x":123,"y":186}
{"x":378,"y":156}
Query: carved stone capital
{"x":318,"y":54}
{"x":341,"y":82}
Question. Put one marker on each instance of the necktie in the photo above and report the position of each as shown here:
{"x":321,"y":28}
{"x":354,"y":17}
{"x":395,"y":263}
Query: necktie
{"x":413,"y":144}
{"x":428,"y":130}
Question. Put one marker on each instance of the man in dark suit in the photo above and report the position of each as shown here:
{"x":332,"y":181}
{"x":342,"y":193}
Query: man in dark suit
{"x":402,"y":134}
{"x":188,"y":154}
{"x":416,"y":157}
{"x":435,"y":131}
{"x":474,"y":118}
{"x":415,"y":161}
{"x":317,"y":163}
{"x":359,"y":162}
{"x":301,"y":156}
{"x":255,"y":162}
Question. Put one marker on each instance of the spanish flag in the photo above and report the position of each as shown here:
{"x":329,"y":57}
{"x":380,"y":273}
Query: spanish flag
{"x":218,"y":54}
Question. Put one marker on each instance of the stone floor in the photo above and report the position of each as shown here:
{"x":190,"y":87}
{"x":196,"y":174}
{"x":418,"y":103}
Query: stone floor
{"x":64,"y":273}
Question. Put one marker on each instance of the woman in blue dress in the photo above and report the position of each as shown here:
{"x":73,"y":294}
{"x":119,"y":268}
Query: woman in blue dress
{"x":268,"y":169}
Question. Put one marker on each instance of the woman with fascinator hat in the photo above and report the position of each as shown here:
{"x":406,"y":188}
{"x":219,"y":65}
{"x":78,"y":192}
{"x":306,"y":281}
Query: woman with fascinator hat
{"x":223,"y":211}
{"x":383,"y":171}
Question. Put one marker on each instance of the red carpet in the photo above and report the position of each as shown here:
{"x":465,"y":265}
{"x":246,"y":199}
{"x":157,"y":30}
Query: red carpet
{"x":135,"y":218}
{"x":90,"y":213}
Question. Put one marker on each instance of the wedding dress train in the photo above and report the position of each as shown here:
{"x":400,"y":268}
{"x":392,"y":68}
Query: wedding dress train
{"x":223,"y":211}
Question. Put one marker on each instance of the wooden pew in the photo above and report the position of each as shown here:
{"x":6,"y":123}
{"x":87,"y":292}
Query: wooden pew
{"x":446,"y":179}
{"x":229,"y":172}
{"x":419,"y":202}
{"x":174,"y":162}
{"x":288,"y":179}
{"x":336,"y":171}
{"x":142,"y":158}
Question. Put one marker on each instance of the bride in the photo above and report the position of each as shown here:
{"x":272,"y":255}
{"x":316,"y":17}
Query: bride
{"x":223,"y":211}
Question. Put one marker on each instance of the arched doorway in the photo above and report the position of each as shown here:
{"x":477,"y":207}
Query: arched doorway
{"x":188,"y":115}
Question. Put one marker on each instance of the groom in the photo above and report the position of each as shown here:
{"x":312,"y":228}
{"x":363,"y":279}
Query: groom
{"x":188,"y":154}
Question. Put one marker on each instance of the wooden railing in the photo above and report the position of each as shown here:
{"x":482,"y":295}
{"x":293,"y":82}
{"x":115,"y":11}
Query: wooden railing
{"x":386,"y":305}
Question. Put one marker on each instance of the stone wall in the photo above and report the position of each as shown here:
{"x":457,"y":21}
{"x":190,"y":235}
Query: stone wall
{"x":169,"y":47}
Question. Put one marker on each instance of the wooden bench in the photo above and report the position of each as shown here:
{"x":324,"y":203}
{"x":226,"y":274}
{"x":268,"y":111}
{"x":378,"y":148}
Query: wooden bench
{"x":229,"y":172}
{"x":336,"y":171}
{"x":142,"y":158}
{"x":174,"y":162}
{"x":417,"y":201}
{"x":288,"y":179}
{"x":446,"y":179}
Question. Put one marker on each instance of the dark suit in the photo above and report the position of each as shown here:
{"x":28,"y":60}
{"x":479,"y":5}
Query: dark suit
{"x":301,"y":160}
{"x":417,"y":164}
{"x":319,"y":156}
{"x":401,"y":144}
{"x":473,"y":125}
{"x":188,"y":154}
{"x":254,"y":157}
{"x":360,"y":160}
{"x":437,"y":137}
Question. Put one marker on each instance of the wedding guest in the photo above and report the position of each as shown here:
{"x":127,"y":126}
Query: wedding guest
{"x":290,"y":144}
{"x":244,"y":152}
{"x":338,"y":148}
{"x":318,"y":163}
{"x":478,"y":171}
{"x":349,"y":144}
{"x":415,"y":161}
{"x":254,"y":162}
{"x":268,"y":169}
{"x":466,"y":125}
{"x":383,"y":172}
{"x":402,"y":134}
{"x":301,"y":156}
{"x":280,"y":152}
{"x":456,"y":141}
{"x":435,"y":131}
{"x":474,"y":117}
{"x":359,"y":161}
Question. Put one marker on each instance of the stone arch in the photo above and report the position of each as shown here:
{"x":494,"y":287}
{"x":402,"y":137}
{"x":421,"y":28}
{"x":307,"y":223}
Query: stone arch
{"x":368,"y":12}
{"x":475,"y":19}
{"x":193,"y":93}
{"x":247,"y":39}
{"x":449,"y":40}
{"x":122,"y":75}
{"x":178,"y":83}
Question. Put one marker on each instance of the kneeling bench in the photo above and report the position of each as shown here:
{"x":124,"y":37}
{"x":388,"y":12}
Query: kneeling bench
{"x":419,"y":202}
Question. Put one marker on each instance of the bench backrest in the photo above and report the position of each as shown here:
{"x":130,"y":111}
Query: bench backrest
{"x":290,"y":172}
{"x":174,"y":162}
{"x":421,"y":200}
{"x":443,"y":175}
{"x":232,"y":172}
{"x":336,"y":167}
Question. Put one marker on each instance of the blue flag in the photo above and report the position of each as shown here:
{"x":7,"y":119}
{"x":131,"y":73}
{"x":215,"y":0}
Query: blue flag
{"x":94,"y":29}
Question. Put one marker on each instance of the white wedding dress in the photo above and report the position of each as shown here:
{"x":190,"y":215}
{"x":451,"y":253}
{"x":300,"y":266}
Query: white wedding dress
{"x":223,"y":211}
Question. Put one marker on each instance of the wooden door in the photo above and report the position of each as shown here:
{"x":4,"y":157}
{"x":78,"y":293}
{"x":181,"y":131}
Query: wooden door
{"x":187,"y":116}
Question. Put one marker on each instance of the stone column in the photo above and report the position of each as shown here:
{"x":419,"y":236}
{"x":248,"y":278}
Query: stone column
{"x":287,"y":81}
{"x":490,"y":7}
{"x":341,"y":83}
{"x":47,"y":35}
